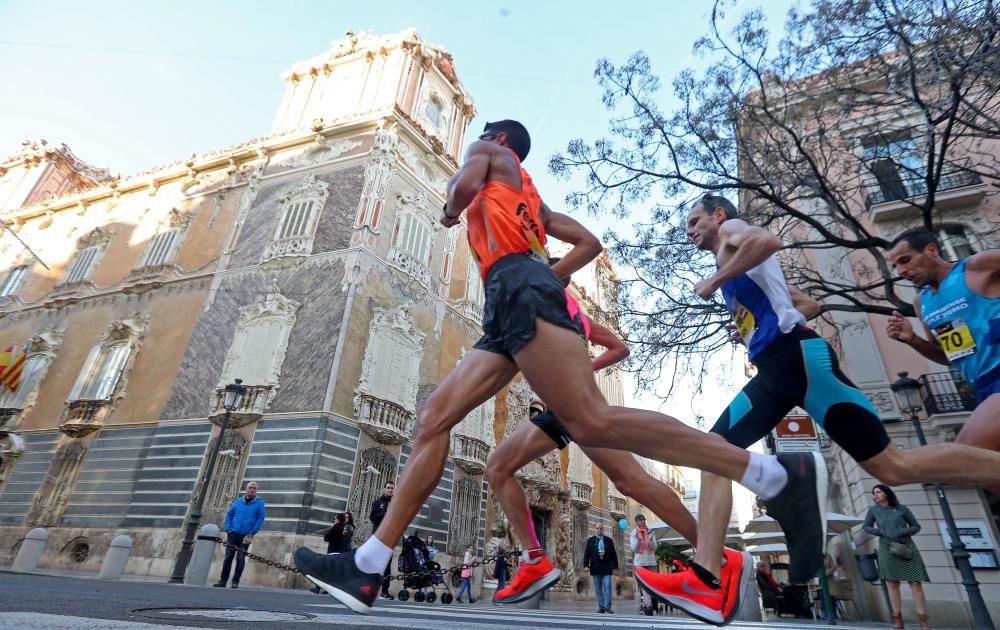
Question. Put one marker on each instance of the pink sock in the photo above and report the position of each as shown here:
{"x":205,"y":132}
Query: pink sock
{"x":531,"y":528}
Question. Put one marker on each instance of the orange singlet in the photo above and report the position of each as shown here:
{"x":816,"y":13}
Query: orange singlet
{"x":504,"y":221}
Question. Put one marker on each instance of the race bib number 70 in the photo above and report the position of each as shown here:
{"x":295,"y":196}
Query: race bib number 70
{"x":955,"y":339}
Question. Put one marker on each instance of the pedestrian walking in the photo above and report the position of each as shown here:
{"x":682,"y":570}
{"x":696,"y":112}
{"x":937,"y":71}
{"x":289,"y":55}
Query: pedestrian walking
{"x":602,"y":560}
{"x":467,"y":575}
{"x":643,"y":544}
{"x":898,"y":557}
{"x":244,"y":519}
{"x":379,"y":507}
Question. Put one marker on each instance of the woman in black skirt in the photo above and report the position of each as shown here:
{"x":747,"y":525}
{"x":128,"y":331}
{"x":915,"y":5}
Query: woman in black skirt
{"x":898,"y":557}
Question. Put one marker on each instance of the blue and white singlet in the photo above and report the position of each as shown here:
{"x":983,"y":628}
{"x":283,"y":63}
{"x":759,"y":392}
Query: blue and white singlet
{"x":761,"y":305}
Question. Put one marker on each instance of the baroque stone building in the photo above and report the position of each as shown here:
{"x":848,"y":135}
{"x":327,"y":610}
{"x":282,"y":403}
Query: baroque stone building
{"x":307,"y":262}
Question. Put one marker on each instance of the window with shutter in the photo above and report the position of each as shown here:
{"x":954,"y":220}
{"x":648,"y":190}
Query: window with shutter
{"x":12,"y":282}
{"x":474,"y":288}
{"x":106,"y":371}
{"x":414,"y":238}
{"x":161,"y":249}
{"x":80,"y":267}
{"x":297,"y":221}
{"x":254,"y":351}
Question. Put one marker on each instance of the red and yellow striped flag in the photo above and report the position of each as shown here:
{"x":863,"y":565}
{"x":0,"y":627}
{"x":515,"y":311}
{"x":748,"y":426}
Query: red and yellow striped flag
{"x":11,"y":368}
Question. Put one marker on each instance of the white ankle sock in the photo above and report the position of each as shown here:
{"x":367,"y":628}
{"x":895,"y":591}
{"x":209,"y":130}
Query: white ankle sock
{"x":764,"y":476}
{"x":373,"y":556}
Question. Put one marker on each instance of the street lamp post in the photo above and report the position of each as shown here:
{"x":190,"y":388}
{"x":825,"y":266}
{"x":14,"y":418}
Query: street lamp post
{"x":907,"y":391}
{"x":233,"y":394}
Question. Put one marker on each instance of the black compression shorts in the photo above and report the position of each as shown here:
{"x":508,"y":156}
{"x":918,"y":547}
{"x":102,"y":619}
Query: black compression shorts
{"x":800,"y":369}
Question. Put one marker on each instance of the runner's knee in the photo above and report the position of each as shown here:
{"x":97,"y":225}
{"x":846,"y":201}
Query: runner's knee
{"x":497,"y":469}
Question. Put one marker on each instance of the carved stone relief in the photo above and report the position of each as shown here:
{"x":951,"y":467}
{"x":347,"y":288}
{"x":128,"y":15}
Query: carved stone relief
{"x":226,"y":477}
{"x":52,"y":496}
{"x":378,"y":174}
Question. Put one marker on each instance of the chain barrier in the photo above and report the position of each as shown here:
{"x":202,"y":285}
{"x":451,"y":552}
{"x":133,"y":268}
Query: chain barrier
{"x":403,"y":576}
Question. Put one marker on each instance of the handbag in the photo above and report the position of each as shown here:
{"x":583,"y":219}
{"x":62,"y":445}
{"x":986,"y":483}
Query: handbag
{"x":900,"y":550}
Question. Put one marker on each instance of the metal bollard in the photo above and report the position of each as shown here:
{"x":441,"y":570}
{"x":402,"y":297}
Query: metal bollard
{"x":116,"y":558}
{"x":31,"y":550}
{"x":201,"y":557}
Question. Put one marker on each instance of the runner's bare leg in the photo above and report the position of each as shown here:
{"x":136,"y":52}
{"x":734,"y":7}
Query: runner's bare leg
{"x":715,"y":506}
{"x":474,"y":380}
{"x":523,"y":446}
{"x":633,"y":481}
{"x":556,"y":365}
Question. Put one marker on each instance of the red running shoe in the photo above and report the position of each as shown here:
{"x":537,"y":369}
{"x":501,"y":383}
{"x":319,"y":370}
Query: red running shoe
{"x":531,"y":578}
{"x":735,"y":577}
{"x":686,"y":591}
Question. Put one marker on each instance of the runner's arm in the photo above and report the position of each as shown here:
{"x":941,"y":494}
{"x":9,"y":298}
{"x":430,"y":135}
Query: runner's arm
{"x":903,"y":331}
{"x":467,"y":182}
{"x":986,"y":262}
{"x":804,"y":304}
{"x":615,"y":349}
{"x":586,"y":246}
{"x":753,"y":246}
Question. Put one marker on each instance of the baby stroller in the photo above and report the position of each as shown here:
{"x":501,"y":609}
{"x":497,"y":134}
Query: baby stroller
{"x":414,"y":559}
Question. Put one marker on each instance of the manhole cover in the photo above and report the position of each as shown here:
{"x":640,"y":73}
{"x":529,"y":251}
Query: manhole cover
{"x":223,"y":614}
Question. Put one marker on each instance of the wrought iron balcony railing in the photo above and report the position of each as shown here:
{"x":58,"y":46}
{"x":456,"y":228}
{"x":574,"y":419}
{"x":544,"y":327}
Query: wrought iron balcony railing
{"x":947,"y":392}
{"x":907,"y":185}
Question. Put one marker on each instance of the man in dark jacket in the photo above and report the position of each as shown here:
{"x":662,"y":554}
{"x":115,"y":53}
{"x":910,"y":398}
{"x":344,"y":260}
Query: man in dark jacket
{"x":602,"y":560}
{"x":244,"y":519}
{"x":379,"y":507}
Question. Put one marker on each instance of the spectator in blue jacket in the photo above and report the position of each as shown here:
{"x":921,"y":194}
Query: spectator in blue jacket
{"x":244,"y":519}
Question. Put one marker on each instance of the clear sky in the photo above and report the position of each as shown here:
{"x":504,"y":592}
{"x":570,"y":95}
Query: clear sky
{"x":130,"y":85}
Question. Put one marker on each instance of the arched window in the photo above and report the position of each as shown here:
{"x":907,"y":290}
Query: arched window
{"x":258,"y":347}
{"x":300,"y":210}
{"x":435,"y":110}
{"x":465,"y":510}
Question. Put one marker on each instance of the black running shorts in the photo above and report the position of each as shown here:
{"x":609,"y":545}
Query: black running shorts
{"x":519,"y":289}
{"x":553,"y":427}
{"x":801,"y":369}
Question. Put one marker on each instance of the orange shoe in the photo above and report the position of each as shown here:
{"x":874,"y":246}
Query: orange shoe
{"x":735,"y":577}
{"x":686,"y":591}
{"x":531,"y":578}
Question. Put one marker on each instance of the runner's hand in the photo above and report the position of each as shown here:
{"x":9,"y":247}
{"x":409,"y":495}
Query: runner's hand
{"x":448,"y":221}
{"x":734,"y":333}
{"x":899,"y":328}
{"x":705,"y":288}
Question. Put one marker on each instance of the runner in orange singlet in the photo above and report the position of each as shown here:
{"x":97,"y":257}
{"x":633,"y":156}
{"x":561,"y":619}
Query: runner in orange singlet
{"x":528,"y":329}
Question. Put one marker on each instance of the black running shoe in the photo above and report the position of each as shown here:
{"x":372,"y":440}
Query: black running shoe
{"x":340,"y":577}
{"x":800,"y":509}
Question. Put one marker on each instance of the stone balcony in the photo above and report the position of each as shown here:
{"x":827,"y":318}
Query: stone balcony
{"x":252,"y":406}
{"x":616,"y":505}
{"x":83,"y":417}
{"x":581,"y":494}
{"x":301,"y":246}
{"x":8,"y":418}
{"x":409,"y":265}
{"x":469,"y":453}
{"x":473,"y":311}
{"x":151,"y":277}
{"x":385,"y":421}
